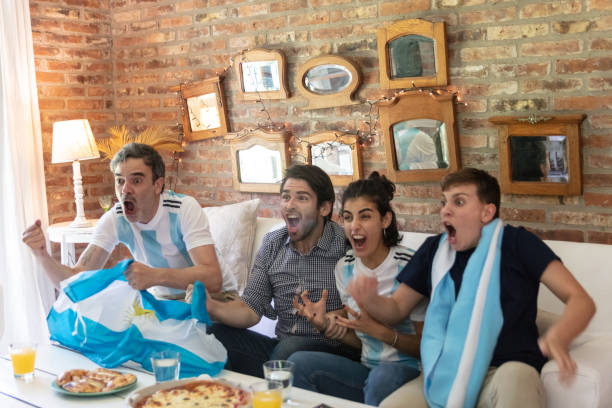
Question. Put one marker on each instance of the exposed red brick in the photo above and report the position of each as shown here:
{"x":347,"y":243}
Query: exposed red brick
{"x":486,"y":53}
{"x":309,"y":19}
{"x":583,"y":102}
{"x":556,"y":85}
{"x":599,"y":5}
{"x":252,"y":10}
{"x":584,"y":65}
{"x":51,"y":103}
{"x":50,"y":77}
{"x":600,"y":200}
{"x":392,"y":8}
{"x":600,"y":237}
{"x":268,"y":24}
{"x":487,"y":16}
{"x":551,"y":9}
{"x":559,"y":235}
{"x":547,"y":48}
{"x":523,"y":215}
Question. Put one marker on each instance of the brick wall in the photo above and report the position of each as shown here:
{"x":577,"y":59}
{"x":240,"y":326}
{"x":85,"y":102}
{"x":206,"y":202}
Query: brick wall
{"x":115,"y":60}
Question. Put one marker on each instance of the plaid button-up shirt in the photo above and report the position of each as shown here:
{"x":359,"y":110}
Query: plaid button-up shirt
{"x":280,"y":272}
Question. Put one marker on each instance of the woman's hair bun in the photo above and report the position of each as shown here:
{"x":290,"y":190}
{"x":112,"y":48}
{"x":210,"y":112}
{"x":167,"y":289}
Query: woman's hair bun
{"x":385,"y":184}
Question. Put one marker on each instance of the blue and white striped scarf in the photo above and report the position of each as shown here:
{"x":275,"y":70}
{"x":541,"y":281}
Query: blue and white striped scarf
{"x":460,"y":334}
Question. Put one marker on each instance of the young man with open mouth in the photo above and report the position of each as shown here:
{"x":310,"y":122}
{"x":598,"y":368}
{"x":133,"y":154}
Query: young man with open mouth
{"x":480,"y":343}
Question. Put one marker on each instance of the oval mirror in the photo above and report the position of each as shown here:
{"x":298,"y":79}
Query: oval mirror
{"x":333,"y":157}
{"x":420,"y":144}
{"x":327,"y":79}
{"x":258,"y":164}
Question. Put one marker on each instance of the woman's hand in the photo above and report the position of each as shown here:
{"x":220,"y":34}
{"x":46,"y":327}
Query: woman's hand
{"x":313,"y":312}
{"x":362,"y":322}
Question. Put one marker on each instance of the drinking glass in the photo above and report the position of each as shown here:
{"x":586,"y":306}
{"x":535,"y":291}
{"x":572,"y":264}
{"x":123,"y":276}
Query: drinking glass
{"x":166,"y":365}
{"x":267,"y":394}
{"x":282,"y":371}
{"x":23,"y":355}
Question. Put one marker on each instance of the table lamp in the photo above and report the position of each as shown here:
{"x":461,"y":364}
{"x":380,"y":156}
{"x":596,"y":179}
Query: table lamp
{"x":73,"y":141}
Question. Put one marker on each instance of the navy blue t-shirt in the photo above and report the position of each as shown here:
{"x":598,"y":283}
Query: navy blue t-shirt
{"x":523,"y":260}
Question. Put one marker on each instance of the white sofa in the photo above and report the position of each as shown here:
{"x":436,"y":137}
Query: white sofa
{"x":592,"y":350}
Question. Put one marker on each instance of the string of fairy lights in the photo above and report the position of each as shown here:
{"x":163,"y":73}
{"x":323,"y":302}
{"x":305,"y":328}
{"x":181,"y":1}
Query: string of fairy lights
{"x":297,"y":144}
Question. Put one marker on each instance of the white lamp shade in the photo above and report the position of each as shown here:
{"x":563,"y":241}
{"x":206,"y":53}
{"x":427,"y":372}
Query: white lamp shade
{"x":73,"y":140}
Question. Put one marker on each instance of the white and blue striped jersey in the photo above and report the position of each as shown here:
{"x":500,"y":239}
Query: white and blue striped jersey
{"x":374,"y":351}
{"x":178,"y":226}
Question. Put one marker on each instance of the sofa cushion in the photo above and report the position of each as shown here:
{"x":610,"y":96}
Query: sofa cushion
{"x":232,"y":228}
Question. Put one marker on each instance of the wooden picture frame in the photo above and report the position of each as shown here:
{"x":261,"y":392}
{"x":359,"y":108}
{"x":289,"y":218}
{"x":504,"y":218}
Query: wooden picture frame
{"x":420,"y":136}
{"x":323,"y":146}
{"x":540,"y":155}
{"x":328,"y":81}
{"x":203,"y":109}
{"x":266,"y":154}
{"x":261,"y":74}
{"x":412,"y":53}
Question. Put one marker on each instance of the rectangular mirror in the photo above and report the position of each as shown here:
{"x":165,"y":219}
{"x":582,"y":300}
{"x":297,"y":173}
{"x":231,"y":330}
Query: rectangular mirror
{"x":259,"y":159}
{"x":412,"y":53}
{"x":261,"y":74}
{"x":203,"y":109}
{"x":420,"y":137}
{"x":540,"y":155}
{"x":338,"y":154}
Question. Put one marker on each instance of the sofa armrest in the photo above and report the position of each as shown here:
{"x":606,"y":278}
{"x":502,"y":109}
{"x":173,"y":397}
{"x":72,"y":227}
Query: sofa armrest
{"x":592,"y":385}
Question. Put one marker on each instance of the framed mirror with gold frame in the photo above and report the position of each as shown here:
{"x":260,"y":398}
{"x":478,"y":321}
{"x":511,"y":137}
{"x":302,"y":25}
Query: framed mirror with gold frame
{"x":540,"y":154}
{"x":338,"y":154}
{"x":259,"y":159}
{"x":420,"y":137}
{"x":262,"y":75}
{"x":204,"y":112}
{"x":328,"y":81}
{"x":412,"y":53}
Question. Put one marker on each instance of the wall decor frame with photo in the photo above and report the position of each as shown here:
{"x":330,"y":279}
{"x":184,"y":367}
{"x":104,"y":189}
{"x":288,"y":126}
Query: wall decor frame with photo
{"x":420,"y":136}
{"x":203,"y":109}
{"x":540,"y":154}
{"x":261,"y":74}
{"x":338,"y":154}
{"x":412,"y":53}
{"x":328,"y":81}
{"x":259,"y":159}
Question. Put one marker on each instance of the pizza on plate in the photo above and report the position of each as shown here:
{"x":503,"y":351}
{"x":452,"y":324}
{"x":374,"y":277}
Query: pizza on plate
{"x":98,"y":380}
{"x":200,"y":394}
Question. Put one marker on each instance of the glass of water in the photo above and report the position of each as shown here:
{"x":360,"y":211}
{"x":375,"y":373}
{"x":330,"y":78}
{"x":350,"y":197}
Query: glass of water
{"x":166,"y":365}
{"x":280,"y":371}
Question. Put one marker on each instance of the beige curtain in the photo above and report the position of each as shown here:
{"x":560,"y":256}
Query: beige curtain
{"x":27,"y":294}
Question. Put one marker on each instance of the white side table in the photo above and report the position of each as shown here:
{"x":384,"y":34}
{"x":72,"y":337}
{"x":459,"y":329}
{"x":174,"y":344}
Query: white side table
{"x":68,"y":236}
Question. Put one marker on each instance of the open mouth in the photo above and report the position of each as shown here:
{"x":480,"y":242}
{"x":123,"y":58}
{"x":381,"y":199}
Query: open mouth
{"x":293,"y":220}
{"x":450,"y":230}
{"x":128,"y":206}
{"x":359,"y":241}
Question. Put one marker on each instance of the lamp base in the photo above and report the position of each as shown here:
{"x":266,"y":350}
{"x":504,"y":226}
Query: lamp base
{"x":82,"y":223}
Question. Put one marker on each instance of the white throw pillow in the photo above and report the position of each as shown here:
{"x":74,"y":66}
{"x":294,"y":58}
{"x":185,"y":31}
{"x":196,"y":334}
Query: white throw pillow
{"x":232,"y":228}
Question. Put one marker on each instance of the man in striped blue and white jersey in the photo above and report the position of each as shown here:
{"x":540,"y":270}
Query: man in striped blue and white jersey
{"x":167,"y":233}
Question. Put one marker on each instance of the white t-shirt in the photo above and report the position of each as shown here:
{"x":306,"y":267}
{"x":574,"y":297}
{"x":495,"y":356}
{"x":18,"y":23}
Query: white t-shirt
{"x":178,"y":226}
{"x":374,"y":351}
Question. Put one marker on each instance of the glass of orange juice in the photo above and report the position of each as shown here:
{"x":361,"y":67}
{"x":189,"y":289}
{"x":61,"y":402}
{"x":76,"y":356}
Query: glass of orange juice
{"x":267,"y":394}
{"x":23,"y":355}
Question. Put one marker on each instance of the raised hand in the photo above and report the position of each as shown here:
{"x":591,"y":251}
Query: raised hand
{"x":361,"y":321}
{"x":313,"y":312}
{"x":34,"y":237}
{"x":363,"y":289}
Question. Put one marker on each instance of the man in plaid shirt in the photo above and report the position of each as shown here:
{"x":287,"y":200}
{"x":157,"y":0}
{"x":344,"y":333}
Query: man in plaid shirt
{"x":300,"y":256}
